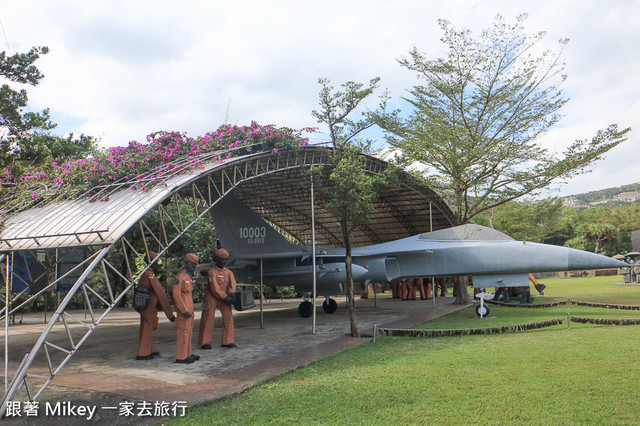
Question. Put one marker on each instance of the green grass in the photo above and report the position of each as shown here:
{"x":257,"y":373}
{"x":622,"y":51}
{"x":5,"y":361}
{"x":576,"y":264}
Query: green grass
{"x":584,"y":375}
{"x":590,"y":289}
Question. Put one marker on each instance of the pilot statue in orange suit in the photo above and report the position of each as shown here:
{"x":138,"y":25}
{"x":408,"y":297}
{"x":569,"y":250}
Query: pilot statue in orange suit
{"x":183,"y":299}
{"x":424,"y":286}
{"x":149,"y":315}
{"x":221,"y":283}
{"x":409,"y":290}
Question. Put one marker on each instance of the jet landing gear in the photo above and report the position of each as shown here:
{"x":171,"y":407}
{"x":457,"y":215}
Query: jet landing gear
{"x":329,"y":305}
{"x":482,"y":309}
{"x":305,"y":309}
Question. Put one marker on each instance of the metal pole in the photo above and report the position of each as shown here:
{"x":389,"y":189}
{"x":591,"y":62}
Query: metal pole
{"x":6,"y":325}
{"x":433,"y":281}
{"x":430,"y":218}
{"x":56,"y":276}
{"x":375,"y":294}
{"x":313,"y":256}
{"x":261,"y":294}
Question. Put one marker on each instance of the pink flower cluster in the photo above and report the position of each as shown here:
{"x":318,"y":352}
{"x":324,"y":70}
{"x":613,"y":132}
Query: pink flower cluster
{"x":164,"y":154}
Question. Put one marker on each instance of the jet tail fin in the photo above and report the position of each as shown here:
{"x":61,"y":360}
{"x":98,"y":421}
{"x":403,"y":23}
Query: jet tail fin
{"x":240,"y":229}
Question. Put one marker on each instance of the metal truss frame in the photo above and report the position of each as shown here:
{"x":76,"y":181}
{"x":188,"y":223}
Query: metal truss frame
{"x":99,"y":300}
{"x":200,"y":193}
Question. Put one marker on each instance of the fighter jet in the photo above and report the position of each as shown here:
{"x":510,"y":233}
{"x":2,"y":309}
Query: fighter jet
{"x":493,"y":259}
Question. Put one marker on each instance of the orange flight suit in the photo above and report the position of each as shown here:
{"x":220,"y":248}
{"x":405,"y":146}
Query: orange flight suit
{"x":394,"y":289}
{"x":419,"y":283}
{"x":424,"y":288}
{"x":221,"y":283}
{"x":411,"y":290}
{"x":402,"y":289}
{"x":428,"y":285}
{"x":183,"y":299}
{"x":440,"y":284}
{"x":149,"y":316}
{"x":365,"y":294}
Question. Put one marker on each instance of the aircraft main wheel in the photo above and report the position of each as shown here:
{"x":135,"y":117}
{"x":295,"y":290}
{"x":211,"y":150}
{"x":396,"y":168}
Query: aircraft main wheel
{"x":482,"y":311}
{"x":330,"y":306}
{"x":305,"y":309}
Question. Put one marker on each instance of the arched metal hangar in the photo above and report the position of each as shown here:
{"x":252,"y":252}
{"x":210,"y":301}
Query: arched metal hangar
{"x":80,"y":232}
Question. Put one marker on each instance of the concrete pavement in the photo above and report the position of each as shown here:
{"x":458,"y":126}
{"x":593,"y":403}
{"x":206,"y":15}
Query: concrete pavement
{"x":106,"y":364}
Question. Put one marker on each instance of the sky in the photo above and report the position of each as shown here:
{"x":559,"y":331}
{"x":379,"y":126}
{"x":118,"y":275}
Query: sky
{"x":119,"y":70}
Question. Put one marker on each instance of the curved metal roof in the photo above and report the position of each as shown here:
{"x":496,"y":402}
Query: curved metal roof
{"x":274,"y":184}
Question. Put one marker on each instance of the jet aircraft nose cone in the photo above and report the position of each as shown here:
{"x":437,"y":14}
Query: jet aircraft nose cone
{"x":579,"y":259}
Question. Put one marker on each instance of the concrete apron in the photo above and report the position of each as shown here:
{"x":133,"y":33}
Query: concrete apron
{"x":106,"y":362}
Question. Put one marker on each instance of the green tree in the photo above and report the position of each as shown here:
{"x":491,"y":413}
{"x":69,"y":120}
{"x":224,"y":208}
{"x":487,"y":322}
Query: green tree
{"x":25,"y":140}
{"x":626,"y":219}
{"x":477,"y":118}
{"x":533,"y":220}
{"x":566,"y":227}
{"x":613,"y":226}
{"x":594,"y":237}
{"x":349,"y":191}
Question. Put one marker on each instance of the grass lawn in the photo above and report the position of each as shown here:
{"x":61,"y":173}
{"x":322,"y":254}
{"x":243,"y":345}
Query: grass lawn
{"x":590,"y":289}
{"x":586,"y":374}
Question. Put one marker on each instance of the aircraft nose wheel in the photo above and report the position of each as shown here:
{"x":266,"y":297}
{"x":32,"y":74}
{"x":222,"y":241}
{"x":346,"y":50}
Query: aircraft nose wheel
{"x":305,"y":309}
{"x":329,"y":305}
{"x":482,"y":310}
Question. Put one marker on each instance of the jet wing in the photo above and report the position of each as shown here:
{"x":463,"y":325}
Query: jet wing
{"x":420,"y":257}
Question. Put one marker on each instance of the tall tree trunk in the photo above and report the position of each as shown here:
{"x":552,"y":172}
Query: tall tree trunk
{"x":462,"y":295}
{"x":459,"y":282}
{"x":353,"y":318}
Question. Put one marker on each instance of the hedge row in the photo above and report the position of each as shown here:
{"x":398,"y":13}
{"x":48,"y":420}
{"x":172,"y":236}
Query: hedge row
{"x":527,"y":305}
{"x":607,"y":305}
{"x":469,"y":331}
{"x":577,"y":302}
{"x":606,"y":321}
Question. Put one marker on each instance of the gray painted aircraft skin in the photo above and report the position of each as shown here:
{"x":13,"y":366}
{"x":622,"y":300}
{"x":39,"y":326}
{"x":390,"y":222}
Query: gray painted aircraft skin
{"x":493,"y":259}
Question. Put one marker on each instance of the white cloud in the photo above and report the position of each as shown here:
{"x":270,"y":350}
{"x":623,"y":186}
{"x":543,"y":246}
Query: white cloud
{"x":124,"y":69}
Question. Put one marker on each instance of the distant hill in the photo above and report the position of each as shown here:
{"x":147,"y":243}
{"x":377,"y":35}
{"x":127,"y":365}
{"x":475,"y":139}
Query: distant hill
{"x":622,"y":195}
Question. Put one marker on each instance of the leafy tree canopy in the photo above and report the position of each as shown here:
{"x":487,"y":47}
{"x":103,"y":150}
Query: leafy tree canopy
{"x":479,"y":112}
{"x":594,"y":237}
{"x":349,"y":191}
{"x":532,"y":220}
{"x":140,"y":166}
{"x":26,"y":141}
